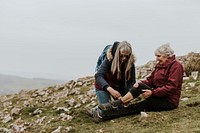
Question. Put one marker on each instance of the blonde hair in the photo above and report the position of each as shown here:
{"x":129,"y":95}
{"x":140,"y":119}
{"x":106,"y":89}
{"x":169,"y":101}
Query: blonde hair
{"x":165,"y":49}
{"x":115,"y":67}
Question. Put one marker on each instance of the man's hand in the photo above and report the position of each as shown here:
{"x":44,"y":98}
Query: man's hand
{"x":146,"y":93}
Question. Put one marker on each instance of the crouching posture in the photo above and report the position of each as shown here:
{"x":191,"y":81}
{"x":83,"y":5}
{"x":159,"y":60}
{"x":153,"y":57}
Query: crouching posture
{"x":161,"y":90}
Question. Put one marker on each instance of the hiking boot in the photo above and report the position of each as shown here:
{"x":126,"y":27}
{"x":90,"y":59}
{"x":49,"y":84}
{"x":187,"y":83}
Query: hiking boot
{"x":97,"y":114}
{"x":111,"y":105}
{"x":88,"y":111}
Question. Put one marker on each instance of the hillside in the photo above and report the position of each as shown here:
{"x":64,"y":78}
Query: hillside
{"x":60,"y":109}
{"x":10,"y":84}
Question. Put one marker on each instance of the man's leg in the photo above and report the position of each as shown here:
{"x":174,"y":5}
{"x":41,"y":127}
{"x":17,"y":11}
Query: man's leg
{"x":133,"y":93}
{"x":150,"y":104}
{"x":159,"y":104}
{"x":101,"y":115}
{"x":127,"y":98}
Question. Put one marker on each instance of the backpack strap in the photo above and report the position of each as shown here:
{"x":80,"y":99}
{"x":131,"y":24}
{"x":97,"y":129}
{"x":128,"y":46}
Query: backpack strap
{"x":114,"y":47}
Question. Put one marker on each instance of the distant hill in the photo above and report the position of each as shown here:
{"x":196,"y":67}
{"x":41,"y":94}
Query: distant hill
{"x":12,"y":84}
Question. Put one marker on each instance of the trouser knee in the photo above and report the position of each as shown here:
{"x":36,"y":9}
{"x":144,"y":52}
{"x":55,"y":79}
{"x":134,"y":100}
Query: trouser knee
{"x":143,"y":86}
{"x":137,"y":91}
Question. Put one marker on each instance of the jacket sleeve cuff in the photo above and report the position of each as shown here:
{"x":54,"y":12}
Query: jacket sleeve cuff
{"x":105,"y":87}
{"x":153,"y":93}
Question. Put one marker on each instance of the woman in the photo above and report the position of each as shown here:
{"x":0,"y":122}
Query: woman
{"x":116,"y":74}
{"x":161,"y":90}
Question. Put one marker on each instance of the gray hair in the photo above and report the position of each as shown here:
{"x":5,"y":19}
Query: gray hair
{"x":115,"y":67}
{"x":165,"y":49}
{"x":125,"y":46}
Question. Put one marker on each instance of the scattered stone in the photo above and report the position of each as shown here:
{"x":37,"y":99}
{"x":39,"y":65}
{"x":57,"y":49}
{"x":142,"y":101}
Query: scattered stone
{"x":15,"y":111}
{"x":70,"y":102}
{"x":58,"y":130}
{"x":7,"y":118}
{"x":143,"y":114}
{"x":192,"y":84}
{"x":5,"y":130}
{"x":77,"y":105}
{"x":65,"y":117}
{"x":101,"y":130}
{"x":40,"y":120}
{"x":69,"y":129}
{"x":112,"y":121}
{"x":186,"y":78}
{"x":185,"y":99}
{"x":194,"y":75}
{"x":6,"y":104}
{"x":91,"y":92}
{"x":37,"y":111}
{"x":26,"y":104}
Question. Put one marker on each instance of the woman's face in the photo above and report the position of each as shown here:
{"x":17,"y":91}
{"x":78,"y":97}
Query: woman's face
{"x":161,"y":58}
{"x":124,"y":56}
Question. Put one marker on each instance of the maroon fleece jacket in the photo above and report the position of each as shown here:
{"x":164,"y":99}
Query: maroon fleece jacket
{"x":166,"y":80}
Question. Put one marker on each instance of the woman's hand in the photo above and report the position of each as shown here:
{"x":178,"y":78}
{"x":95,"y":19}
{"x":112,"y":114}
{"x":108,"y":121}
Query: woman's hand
{"x":136,"y":84}
{"x":146,"y":93}
{"x":113,"y":92}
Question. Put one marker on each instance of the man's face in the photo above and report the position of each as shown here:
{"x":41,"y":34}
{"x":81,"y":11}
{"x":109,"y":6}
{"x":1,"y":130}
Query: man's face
{"x":161,"y":58}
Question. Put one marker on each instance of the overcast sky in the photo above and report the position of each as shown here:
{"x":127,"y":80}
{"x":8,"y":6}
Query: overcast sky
{"x":61,"y":39}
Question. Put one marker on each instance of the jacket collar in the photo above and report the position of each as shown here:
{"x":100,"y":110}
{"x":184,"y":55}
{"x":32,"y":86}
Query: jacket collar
{"x":167,"y":63}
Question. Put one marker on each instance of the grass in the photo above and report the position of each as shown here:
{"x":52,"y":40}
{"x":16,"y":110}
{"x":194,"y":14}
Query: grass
{"x":184,"y":119}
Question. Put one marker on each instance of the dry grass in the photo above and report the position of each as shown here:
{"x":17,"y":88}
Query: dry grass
{"x":193,"y":63}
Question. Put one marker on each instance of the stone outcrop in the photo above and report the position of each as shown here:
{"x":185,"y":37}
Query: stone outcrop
{"x":144,"y":70}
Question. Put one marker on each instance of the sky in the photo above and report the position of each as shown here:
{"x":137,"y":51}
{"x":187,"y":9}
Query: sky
{"x":62,"y":39}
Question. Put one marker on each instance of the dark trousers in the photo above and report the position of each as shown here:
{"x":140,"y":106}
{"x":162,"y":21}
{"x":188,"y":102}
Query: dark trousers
{"x":150,"y":104}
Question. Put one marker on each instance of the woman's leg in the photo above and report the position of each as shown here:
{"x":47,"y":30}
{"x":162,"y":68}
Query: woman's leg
{"x":102,"y":96}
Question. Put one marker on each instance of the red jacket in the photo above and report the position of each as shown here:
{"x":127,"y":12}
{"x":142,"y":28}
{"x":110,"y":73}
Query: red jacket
{"x":166,"y":80}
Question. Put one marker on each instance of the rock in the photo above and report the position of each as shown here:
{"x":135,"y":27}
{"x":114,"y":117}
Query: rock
{"x":194,"y":75}
{"x":15,"y":111}
{"x":37,"y":111}
{"x":58,"y":130}
{"x":68,"y":129}
{"x":65,"y":117}
{"x":143,"y":114}
{"x":185,"y":99}
{"x":40,"y":120}
{"x":5,"y":130}
{"x":7,"y":118}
